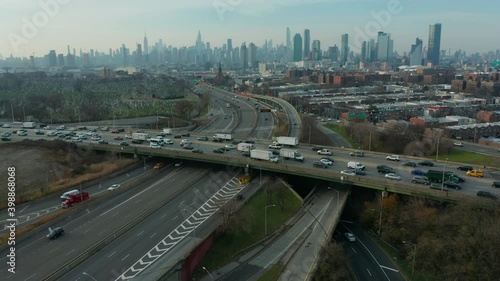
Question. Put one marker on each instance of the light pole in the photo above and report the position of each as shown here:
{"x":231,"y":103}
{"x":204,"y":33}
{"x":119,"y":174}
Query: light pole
{"x":442,"y":180}
{"x":265,"y":217}
{"x":85,"y":273}
{"x":414,"y":255}
{"x":211,"y":278}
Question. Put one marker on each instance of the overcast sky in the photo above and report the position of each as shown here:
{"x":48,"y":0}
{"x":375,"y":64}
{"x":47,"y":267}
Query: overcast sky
{"x":27,"y":27}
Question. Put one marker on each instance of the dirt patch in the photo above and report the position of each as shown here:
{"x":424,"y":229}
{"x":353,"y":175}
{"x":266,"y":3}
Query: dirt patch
{"x":44,"y":167}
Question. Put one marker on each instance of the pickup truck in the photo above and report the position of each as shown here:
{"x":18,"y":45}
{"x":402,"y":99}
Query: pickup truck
{"x":325,"y":151}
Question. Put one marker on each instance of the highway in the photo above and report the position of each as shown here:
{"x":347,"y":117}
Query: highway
{"x":93,"y":223}
{"x":368,"y":261}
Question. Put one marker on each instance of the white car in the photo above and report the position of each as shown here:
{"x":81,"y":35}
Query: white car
{"x":327,"y":161}
{"x":275,"y":146}
{"x":6,"y":125}
{"x":350,"y":237}
{"x":155,"y":146}
{"x":458,"y":144}
{"x":347,"y":172}
{"x":178,"y":164}
{"x":229,"y":147}
{"x":113,"y":187}
{"x":392,"y":158}
{"x":325,"y":151}
{"x":168,"y":141}
{"x":392,"y":176}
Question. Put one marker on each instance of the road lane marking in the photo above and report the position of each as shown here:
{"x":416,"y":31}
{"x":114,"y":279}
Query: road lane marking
{"x":30,"y":276}
{"x":176,"y":217}
{"x":24,"y":208}
{"x":111,"y":254}
{"x":182,"y":203}
{"x":354,"y":250}
{"x":163,"y":216}
{"x":385,"y":267}
{"x":140,"y":233}
{"x":87,"y":230}
{"x":69,"y":252}
{"x":125,"y":257}
{"x":153,"y":235}
{"x":114,"y":215}
{"x":369,"y":272}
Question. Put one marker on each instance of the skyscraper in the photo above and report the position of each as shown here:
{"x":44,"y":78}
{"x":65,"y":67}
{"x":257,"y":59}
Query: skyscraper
{"x":229,"y":52}
{"x":146,"y":46}
{"x":307,"y":43}
{"x":52,"y":58}
{"x":243,"y":56}
{"x":138,"y":54}
{"x":333,"y":53}
{"x":434,"y":46}
{"x":344,"y":48}
{"x":252,"y":55}
{"x":416,"y":53}
{"x":384,"y":47}
{"x":297,"y":47}
{"x":288,"y":39}
{"x":316,"y":50}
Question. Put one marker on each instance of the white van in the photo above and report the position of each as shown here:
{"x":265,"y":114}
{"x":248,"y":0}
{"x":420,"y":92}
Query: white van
{"x":71,"y":192}
{"x":355,"y":165}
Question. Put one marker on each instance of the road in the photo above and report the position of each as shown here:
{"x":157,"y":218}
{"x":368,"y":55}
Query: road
{"x":367,"y":260}
{"x":94,"y":223}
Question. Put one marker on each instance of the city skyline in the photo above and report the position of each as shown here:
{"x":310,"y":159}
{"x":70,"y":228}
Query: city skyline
{"x":60,"y":23}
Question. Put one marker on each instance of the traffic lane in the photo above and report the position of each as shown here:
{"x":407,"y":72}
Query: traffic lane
{"x":36,"y":209}
{"x":364,"y":267}
{"x":104,"y":222}
{"x":111,"y":262}
{"x":265,"y":126}
{"x":371,"y":249}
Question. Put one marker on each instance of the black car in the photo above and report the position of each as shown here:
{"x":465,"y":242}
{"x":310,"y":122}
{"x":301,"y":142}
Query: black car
{"x":219,"y":150}
{"x":56,"y":232}
{"x":496,"y":184}
{"x":102,"y":142}
{"x":486,"y":194}
{"x":316,"y":148}
{"x":196,"y":150}
{"x":246,"y":154}
{"x":187,"y":135}
{"x":274,"y":152}
{"x":178,"y":137}
{"x":451,"y":184}
{"x":218,"y":140}
{"x":426,"y":163}
{"x":385,"y":170}
{"x":203,"y":138}
{"x":359,"y":172}
{"x":319,"y":164}
{"x":250,"y":141}
{"x":136,"y":141}
{"x":118,"y":138}
{"x":410,"y":164}
{"x":236,"y":142}
{"x":465,"y":168}
{"x":124,"y":143}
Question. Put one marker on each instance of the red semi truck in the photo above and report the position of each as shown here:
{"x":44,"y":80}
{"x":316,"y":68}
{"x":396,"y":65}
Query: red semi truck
{"x":74,"y":199}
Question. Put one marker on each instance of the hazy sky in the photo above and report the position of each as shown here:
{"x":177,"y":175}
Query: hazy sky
{"x":27,"y":27}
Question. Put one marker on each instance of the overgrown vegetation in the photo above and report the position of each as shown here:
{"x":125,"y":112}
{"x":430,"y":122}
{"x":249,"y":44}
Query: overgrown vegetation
{"x":333,"y":264}
{"x":309,"y":129}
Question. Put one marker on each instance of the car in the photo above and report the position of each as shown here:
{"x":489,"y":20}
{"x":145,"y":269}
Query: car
{"x":178,"y":137}
{"x":6,"y":134}
{"x":55,"y":232}
{"x":426,"y":163}
{"x":5,"y":138}
{"x":275,"y":152}
{"x":420,"y":180}
{"x":118,"y":138}
{"x":319,"y":164}
{"x":451,"y":184}
{"x":359,"y":172}
{"x":113,"y":187}
{"x":187,"y":135}
{"x":156,"y":146}
{"x":136,"y":141}
{"x":316,"y":148}
{"x":327,"y":161}
{"x":159,"y":165}
{"x":438,"y":186}
{"x":275,"y":146}
{"x":457,"y":179}
{"x":417,"y":172}
{"x":392,"y":176}
{"x":219,"y":150}
{"x":249,"y":141}
{"x":124,"y":143}
{"x":357,"y":153}
{"x":458,"y":144}
{"x":168,"y":141}
{"x":324,"y":151}
{"x":496,"y":184}
{"x":114,"y":131}
{"x":102,"y":142}
{"x":6,"y":125}
{"x":217,"y":139}
{"x":410,"y":164}
{"x":246,"y":154}
{"x":385,"y":170}
{"x":197,"y":150}
{"x":350,"y":237}
{"x":236,"y":142}
{"x":39,"y":132}
{"x":230,"y":147}
{"x":392,"y":158}
{"x":203,"y":139}
{"x":188,"y":146}
{"x":475,"y":173}
{"x":486,"y":194}
{"x":348,"y":172}
{"x":465,"y":168}
{"x":178,"y":164}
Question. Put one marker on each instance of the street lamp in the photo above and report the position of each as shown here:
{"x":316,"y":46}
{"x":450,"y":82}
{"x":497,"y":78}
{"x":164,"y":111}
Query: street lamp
{"x":442,"y":180}
{"x":211,"y":278}
{"x":265,"y":217}
{"x":414,"y":255}
{"x":85,"y":273}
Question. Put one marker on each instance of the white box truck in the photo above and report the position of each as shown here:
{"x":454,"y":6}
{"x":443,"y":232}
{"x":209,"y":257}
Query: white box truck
{"x":264,"y":155}
{"x":290,"y":141}
{"x":167,"y":131}
{"x":226,"y":137}
{"x":245,"y":147}
{"x":28,"y":125}
{"x":140,"y":136}
{"x":291,"y":154}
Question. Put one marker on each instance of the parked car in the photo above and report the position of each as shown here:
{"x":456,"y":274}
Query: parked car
{"x":319,"y":164}
{"x":486,"y":194}
{"x":465,"y":168}
{"x":417,"y":172}
{"x":420,"y":180}
{"x":410,"y":164}
{"x":392,"y":176}
{"x":426,"y":163}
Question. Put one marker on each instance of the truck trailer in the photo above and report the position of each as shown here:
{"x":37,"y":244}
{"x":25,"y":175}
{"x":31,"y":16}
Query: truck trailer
{"x":72,"y":199}
{"x":226,"y":137}
{"x":289,"y":141}
{"x":245,"y":147}
{"x":437,"y":176}
{"x":140,"y":136}
{"x":167,"y":131}
{"x":28,"y":125}
{"x":263,"y":155}
{"x":291,"y":154}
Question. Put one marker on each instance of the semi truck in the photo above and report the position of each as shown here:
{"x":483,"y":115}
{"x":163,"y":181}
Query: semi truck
{"x":28,"y":125}
{"x":289,"y":141}
{"x":245,"y":147}
{"x":226,"y":137}
{"x":140,"y":136}
{"x":437,"y":176}
{"x":291,"y":154}
{"x":264,"y":155}
{"x":72,"y":199}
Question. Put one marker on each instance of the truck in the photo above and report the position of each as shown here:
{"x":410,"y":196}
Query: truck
{"x":28,"y":125}
{"x":245,"y":147}
{"x":167,"y":131}
{"x":264,"y":155}
{"x":226,"y":137}
{"x":437,"y":176}
{"x":291,"y":154}
{"x":289,"y":141}
{"x":140,"y":136}
{"x":74,"y":198}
